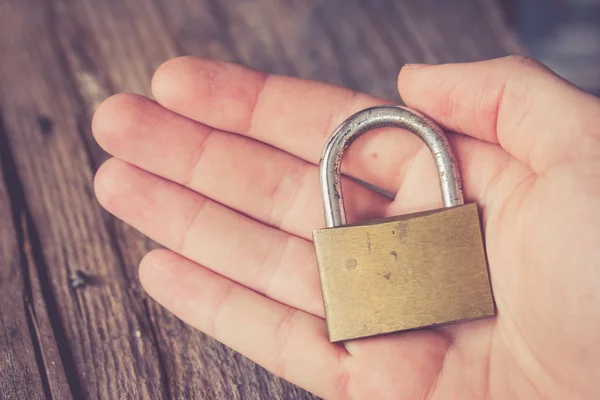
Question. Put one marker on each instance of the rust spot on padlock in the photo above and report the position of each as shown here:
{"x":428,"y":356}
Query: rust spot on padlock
{"x":401,"y":229}
{"x":351,"y":264}
{"x":419,"y":270}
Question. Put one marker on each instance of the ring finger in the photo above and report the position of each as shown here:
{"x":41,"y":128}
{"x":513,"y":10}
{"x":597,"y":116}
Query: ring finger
{"x":267,"y":260}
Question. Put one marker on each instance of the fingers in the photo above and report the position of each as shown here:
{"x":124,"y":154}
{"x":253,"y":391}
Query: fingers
{"x":267,"y":260}
{"x":536,"y":116}
{"x":289,"y":342}
{"x":284,"y":340}
{"x":294,"y":115}
{"x":258,"y":180}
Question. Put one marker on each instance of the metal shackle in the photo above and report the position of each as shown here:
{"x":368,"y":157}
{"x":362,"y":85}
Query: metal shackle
{"x":382,"y":117}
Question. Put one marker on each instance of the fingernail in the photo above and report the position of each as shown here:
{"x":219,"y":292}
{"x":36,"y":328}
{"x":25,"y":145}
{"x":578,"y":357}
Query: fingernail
{"x":414,"y":66}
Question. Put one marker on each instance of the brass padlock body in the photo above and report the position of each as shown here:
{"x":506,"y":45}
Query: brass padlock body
{"x":405,"y":272}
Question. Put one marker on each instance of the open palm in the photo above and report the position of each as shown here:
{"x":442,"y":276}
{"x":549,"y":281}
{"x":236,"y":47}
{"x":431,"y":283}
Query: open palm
{"x":222,"y":170}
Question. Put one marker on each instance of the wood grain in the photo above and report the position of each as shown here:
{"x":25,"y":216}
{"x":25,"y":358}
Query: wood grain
{"x":30,"y":361}
{"x":74,"y":320}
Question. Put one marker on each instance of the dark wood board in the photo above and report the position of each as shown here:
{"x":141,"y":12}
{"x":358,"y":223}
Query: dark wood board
{"x":74,"y":320}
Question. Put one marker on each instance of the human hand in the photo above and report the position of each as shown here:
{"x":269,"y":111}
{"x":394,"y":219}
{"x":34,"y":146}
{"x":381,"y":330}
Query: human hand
{"x":222,"y":171}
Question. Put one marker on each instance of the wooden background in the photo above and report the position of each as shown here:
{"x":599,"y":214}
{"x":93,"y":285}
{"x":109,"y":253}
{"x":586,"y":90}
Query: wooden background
{"x":74,"y":321}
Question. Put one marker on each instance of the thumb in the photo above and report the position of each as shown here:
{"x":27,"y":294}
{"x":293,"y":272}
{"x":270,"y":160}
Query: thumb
{"x":535,"y":115}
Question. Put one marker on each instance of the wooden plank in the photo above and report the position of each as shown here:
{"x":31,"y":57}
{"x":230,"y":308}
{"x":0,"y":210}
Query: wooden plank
{"x":18,"y":360}
{"x":101,"y":326}
{"x":360,"y":44}
{"x":30,"y":363}
{"x":62,"y":57}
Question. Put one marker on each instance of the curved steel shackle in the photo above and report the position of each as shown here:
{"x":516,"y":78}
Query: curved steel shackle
{"x":380,"y":117}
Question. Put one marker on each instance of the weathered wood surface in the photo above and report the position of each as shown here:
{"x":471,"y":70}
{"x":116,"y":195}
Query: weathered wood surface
{"x":74,"y":321}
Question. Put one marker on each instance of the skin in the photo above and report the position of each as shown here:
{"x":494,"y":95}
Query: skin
{"x":221,"y":169}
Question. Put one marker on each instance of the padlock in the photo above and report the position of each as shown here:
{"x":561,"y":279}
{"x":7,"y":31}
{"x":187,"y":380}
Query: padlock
{"x":399,"y":273}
